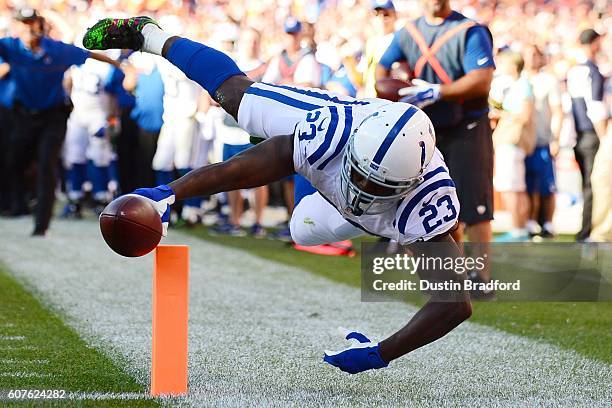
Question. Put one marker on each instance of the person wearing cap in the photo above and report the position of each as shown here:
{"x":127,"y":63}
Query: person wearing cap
{"x":37,"y":65}
{"x":295,"y":65}
{"x":585,"y":85}
{"x":451,"y":59}
{"x":384,"y":27}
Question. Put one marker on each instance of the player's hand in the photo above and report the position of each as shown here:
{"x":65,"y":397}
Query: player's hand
{"x":362,"y":355}
{"x":162,"y":197}
{"x":421,"y":94}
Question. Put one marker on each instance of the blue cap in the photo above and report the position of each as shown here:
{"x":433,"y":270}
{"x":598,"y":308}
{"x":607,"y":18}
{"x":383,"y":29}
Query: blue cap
{"x":292,"y":25}
{"x":383,"y":4}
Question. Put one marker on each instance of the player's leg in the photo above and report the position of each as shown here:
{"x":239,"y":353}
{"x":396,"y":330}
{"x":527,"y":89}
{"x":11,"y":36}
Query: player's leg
{"x":533,"y":176}
{"x":163,"y":160}
{"x":52,"y":134}
{"x":75,"y":164}
{"x":316,"y":222}
{"x":265,"y":110}
{"x":547,"y":193}
{"x":23,"y":137}
{"x":235,"y":200}
{"x":185,"y":148}
{"x":99,"y":153}
{"x":261,"y":202}
{"x":205,"y":65}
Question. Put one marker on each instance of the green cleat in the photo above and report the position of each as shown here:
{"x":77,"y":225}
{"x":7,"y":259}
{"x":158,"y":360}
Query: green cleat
{"x":117,"y":33}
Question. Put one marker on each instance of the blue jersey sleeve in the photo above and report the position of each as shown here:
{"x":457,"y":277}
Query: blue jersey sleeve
{"x":478,"y":49}
{"x":72,"y":55}
{"x":114,"y":81}
{"x":393,"y":53}
{"x":4,"y":48}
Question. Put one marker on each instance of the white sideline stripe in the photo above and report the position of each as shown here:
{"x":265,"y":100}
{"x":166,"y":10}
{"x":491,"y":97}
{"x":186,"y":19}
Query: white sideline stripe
{"x":10,"y":348}
{"x":12,"y":338}
{"x":22,"y":361}
{"x":258,"y":329}
{"x":21,"y":374}
{"x":98,"y":396}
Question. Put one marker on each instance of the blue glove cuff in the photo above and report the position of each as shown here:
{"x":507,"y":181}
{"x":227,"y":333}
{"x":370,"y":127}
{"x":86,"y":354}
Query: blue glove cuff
{"x":164,"y":188}
{"x":375,"y":359}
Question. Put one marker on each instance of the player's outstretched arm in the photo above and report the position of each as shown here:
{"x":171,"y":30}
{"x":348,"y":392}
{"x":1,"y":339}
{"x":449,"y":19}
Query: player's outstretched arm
{"x":264,"y":163}
{"x":441,"y":314}
{"x":444,"y":311}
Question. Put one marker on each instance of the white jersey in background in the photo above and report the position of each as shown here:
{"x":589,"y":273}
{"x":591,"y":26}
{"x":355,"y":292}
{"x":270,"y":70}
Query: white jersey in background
{"x":89,"y":83}
{"x":86,"y":128}
{"x":181,"y":94}
{"x":225,"y":128}
{"x":322,"y":123}
{"x":179,"y":145}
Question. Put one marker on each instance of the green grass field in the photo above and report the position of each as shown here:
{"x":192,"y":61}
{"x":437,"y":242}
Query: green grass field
{"x":582,"y":326}
{"x":39,"y":351}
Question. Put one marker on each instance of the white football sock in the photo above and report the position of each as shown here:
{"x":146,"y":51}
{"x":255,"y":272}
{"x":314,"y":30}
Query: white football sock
{"x":548,"y":226}
{"x":154,"y":39}
{"x":533,"y":227}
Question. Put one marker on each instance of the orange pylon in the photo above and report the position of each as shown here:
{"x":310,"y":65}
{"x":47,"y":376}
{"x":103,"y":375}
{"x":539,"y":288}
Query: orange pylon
{"x":170,"y":317}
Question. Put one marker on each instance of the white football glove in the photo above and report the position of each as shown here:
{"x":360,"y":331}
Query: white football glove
{"x":422,"y":94}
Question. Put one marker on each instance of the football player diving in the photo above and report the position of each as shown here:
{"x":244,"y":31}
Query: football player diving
{"x":373,"y":163}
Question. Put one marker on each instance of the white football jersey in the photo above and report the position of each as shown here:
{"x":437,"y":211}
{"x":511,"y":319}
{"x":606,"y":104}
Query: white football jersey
{"x":181,"y":94}
{"x":88,"y":93}
{"x":322,"y":123}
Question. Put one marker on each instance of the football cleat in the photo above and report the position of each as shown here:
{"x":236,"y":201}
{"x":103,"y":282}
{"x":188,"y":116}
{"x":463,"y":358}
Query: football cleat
{"x":117,"y":33}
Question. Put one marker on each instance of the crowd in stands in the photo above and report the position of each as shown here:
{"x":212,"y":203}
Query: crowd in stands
{"x":140,"y":123}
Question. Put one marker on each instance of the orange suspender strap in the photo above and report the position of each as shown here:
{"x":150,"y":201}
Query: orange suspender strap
{"x":428,"y":54}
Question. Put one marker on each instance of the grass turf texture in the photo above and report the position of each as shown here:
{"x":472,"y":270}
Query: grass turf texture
{"x":39,"y":351}
{"x":583,"y":326}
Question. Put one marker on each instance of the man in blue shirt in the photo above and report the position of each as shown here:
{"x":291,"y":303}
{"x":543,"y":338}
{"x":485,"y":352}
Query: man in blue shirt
{"x":144,"y":81}
{"x":37,"y":65}
{"x":7,"y":87}
{"x":451,"y":59}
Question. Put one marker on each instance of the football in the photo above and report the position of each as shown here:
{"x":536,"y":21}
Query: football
{"x":388,"y":88}
{"x":131,"y":226}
